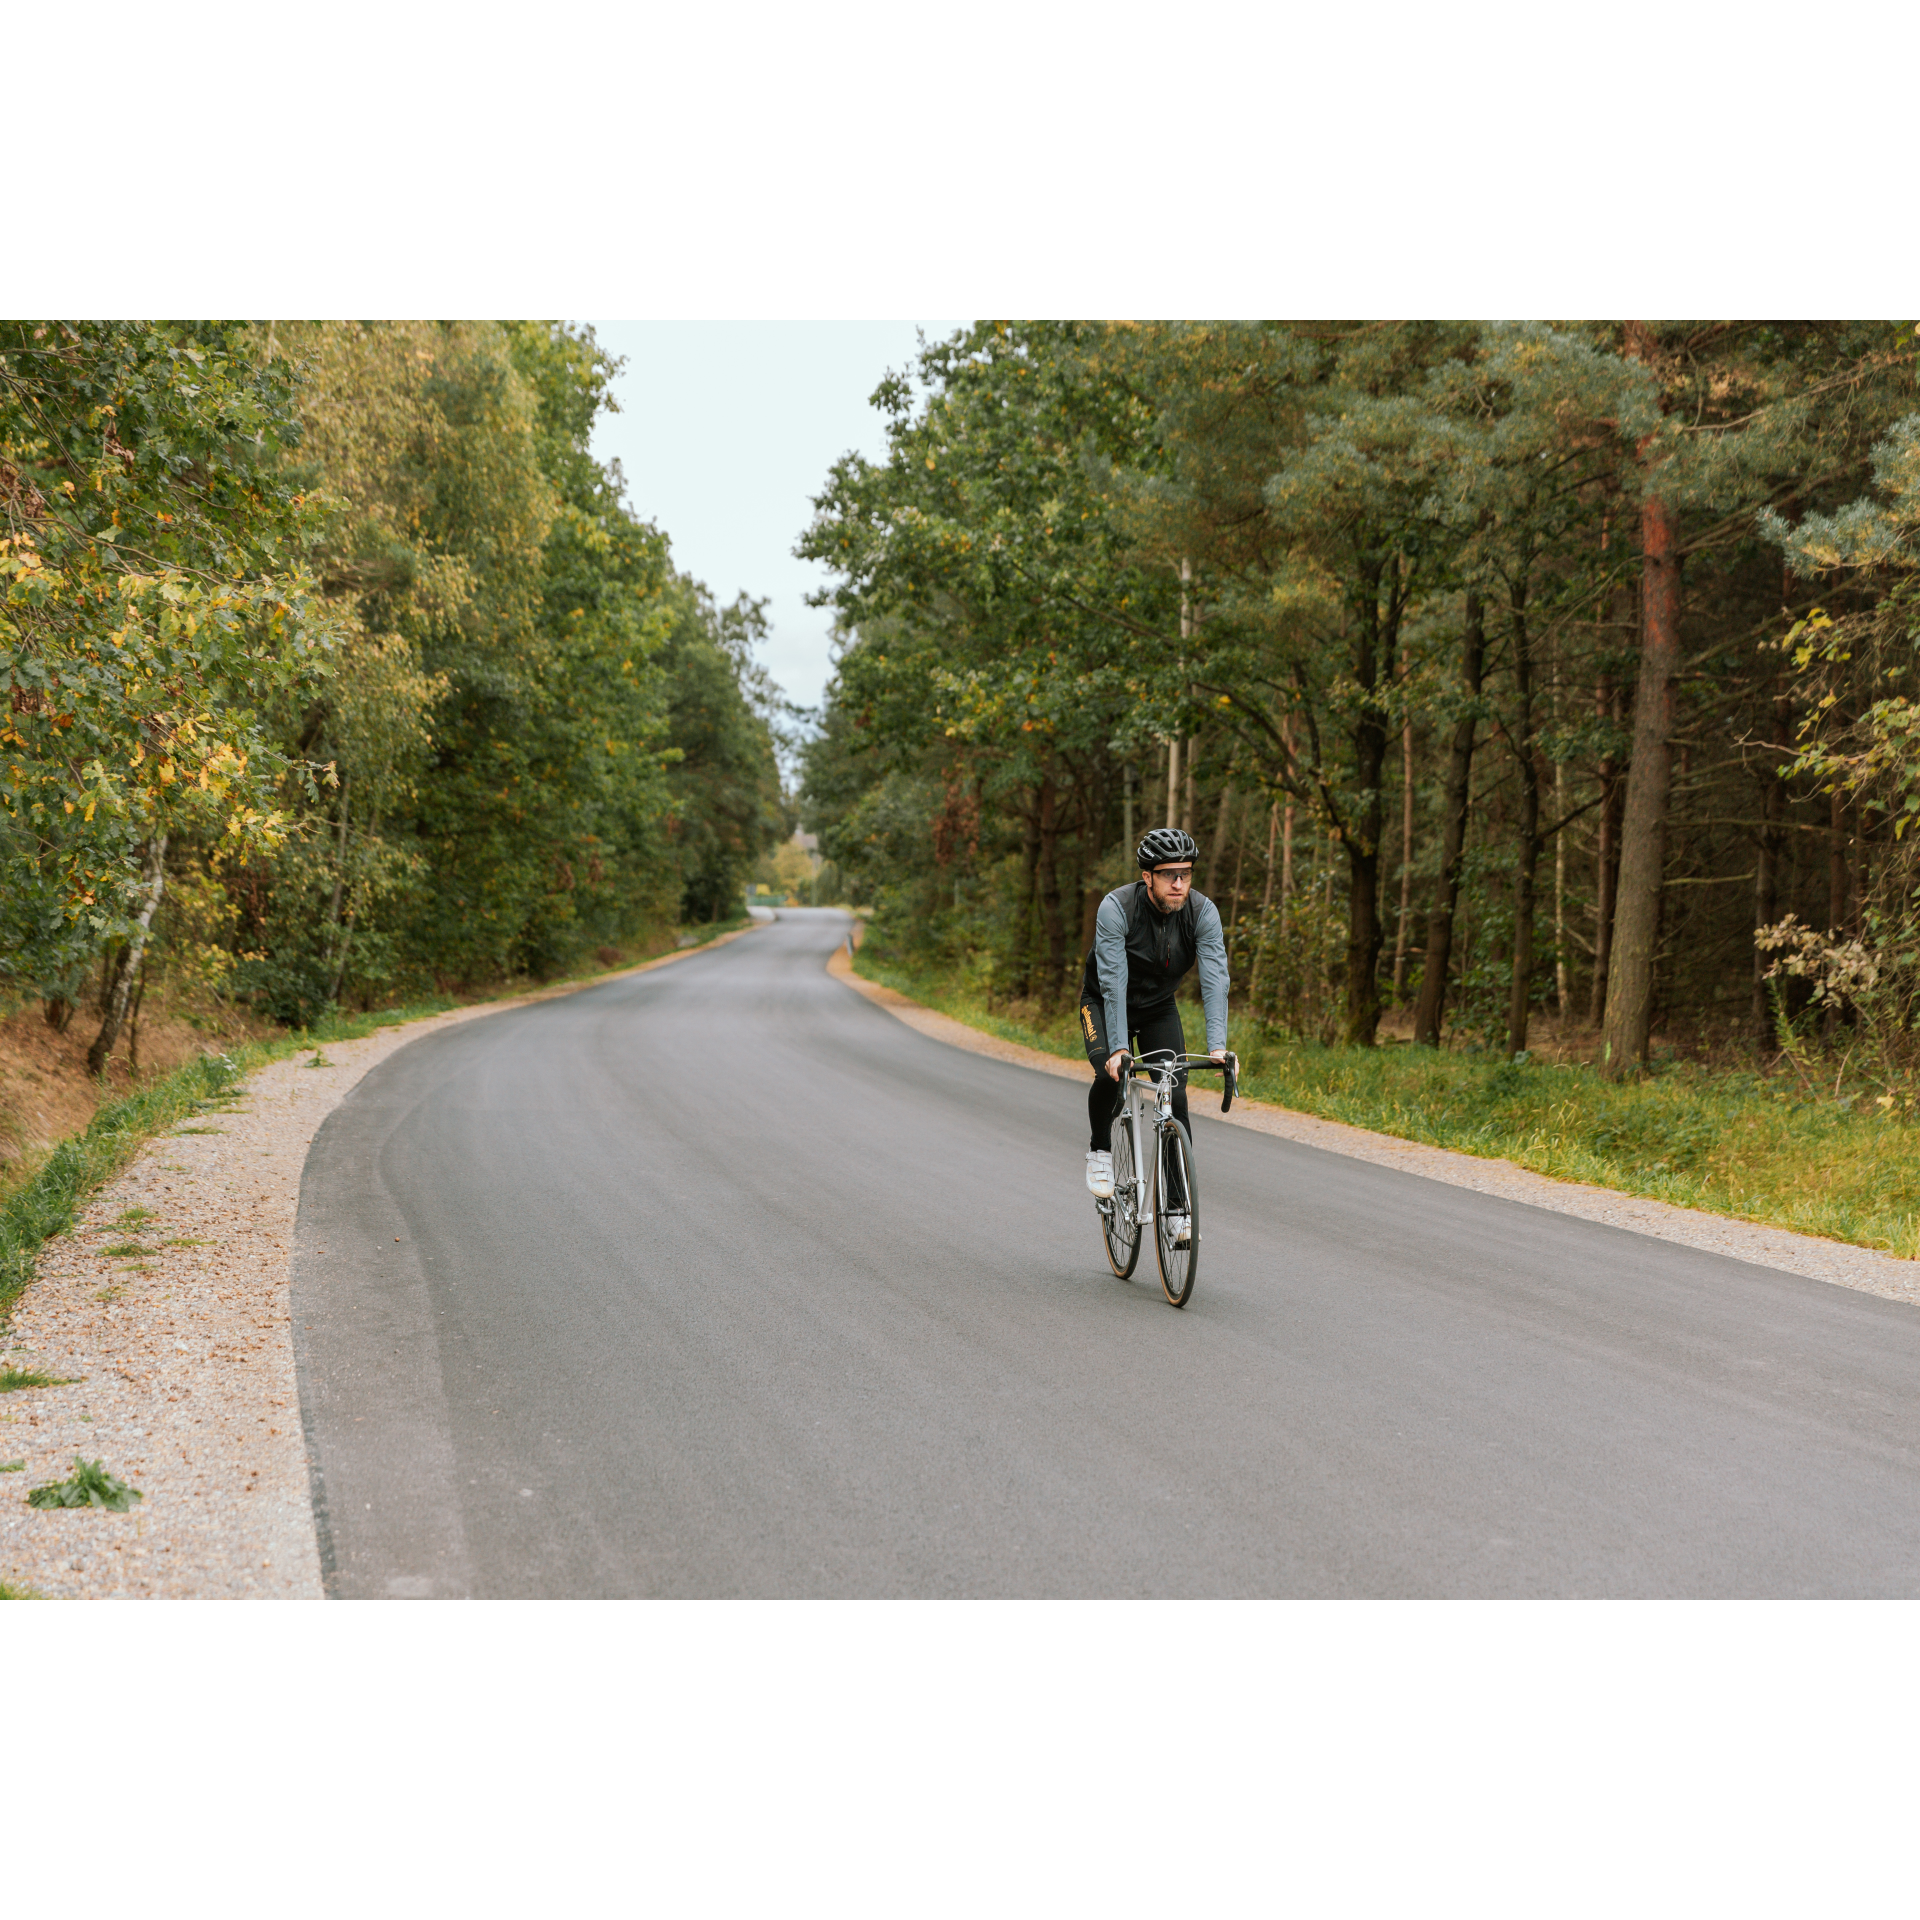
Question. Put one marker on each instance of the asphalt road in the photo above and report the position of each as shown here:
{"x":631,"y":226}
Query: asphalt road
{"x":718,"y":1280}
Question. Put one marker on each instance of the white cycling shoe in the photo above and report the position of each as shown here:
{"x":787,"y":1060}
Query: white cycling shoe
{"x":1100,"y":1175}
{"x":1181,"y":1226}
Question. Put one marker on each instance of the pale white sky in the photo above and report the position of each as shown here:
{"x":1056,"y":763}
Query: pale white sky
{"x":726,"y":431}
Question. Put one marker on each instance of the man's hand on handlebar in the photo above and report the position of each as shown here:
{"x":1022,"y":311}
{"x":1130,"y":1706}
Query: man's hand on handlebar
{"x":1113,"y":1063}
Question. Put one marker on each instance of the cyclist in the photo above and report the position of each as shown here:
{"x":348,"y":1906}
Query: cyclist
{"x":1145,"y":938}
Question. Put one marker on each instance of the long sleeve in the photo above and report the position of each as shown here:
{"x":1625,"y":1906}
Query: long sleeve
{"x":1212,"y":962}
{"x":1110,"y":964}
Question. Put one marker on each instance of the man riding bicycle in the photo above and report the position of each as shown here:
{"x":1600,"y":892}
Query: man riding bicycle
{"x":1145,"y":939}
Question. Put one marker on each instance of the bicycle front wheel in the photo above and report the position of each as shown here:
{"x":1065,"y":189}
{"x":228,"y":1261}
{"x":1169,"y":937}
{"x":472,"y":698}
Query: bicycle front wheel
{"x":1120,"y":1218}
{"x":1178,"y":1264}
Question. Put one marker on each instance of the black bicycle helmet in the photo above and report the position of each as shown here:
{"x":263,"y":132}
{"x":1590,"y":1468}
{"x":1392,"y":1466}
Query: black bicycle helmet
{"x":1165,"y":844}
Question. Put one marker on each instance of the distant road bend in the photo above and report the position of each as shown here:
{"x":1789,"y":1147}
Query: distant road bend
{"x":718,"y":1280}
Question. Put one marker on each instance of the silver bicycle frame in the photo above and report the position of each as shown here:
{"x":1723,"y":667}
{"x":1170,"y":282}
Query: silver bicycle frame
{"x":1149,"y":1105}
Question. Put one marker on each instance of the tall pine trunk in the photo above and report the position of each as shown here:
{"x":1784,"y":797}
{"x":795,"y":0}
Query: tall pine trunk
{"x":1643,"y":821}
{"x":1376,"y":644}
{"x":1453,"y":833}
{"x":1526,"y":864}
{"x":1606,"y":861}
{"x":1406,"y":863}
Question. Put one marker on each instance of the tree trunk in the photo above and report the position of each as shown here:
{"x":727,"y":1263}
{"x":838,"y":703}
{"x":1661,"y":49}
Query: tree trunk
{"x":1520,"y":990}
{"x":1239,"y":873}
{"x":1055,"y":924}
{"x":1266,"y":907}
{"x":152,"y":881}
{"x":1029,"y":876}
{"x":1556,"y":699}
{"x":1286,"y":861}
{"x":1453,"y":834}
{"x":1766,"y":866}
{"x":340,"y":869}
{"x":1643,"y":824}
{"x":1837,"y":863}
{"x":1376,"y":647}
{"x":133,"y":1022}
{"x":1216,"y":853}
{"x":1089,"y":914}
{"x":1406,"y":863}
{"x":1606,"y":861}
{"x":1560,"y":894}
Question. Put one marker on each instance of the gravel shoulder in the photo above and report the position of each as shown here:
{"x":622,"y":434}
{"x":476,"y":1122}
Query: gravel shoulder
{"x":1861,"y":1268}
{"x":180,"y":1359}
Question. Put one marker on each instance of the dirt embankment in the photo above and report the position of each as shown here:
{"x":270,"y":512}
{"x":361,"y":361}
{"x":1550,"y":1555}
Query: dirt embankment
{"x":46,"y":1092}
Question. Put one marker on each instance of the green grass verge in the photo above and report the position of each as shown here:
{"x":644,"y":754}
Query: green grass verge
{"x":20,"y":1379}
{"x":48,"y":1201}
{"x":1742,"y":1144}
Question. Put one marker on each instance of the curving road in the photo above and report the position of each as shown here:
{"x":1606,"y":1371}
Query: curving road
{"x":718,"y":1280}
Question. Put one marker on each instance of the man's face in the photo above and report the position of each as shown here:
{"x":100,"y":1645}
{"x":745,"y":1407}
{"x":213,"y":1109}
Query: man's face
{"x":1167,"y":886}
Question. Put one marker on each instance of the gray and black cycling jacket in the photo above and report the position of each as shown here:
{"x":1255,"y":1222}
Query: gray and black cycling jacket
{"x":1138,"y":959}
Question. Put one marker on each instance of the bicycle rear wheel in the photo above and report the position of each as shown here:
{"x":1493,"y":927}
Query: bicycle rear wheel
{"x":1119,"y":1218}
{"x":1178,"y":1265}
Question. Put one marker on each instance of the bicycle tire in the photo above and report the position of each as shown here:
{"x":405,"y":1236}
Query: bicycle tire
{"x":1178,"y":1265}
{"x":1119,"y":1219}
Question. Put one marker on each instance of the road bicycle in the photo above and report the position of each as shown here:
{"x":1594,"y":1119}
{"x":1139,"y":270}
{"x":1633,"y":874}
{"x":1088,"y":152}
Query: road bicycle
{"x":1152,"y":1155}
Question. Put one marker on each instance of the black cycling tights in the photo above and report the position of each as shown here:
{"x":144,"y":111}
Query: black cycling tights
{"x":1159,"y":1032}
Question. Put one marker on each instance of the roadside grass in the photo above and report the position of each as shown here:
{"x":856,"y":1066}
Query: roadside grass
{"x":18,"y":1379}
{"x":16,"y":1593}
{"x":1745,"y":1144}
{"x":45,"y":1197}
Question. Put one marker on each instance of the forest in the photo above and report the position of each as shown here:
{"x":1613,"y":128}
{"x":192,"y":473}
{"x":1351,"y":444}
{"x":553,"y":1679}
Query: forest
{"x":1528,"y":687}
{"x":336,"y":671}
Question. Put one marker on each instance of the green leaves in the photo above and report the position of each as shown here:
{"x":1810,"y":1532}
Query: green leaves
{"x":89,"y":1485}
{"x":145,"y":614}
